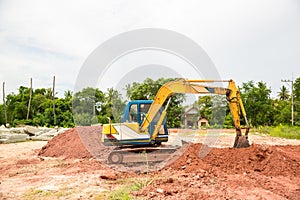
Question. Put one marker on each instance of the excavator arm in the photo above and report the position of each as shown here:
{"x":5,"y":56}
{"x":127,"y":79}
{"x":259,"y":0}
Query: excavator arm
{"x":190,"y":86}
{"x":237,"y":108}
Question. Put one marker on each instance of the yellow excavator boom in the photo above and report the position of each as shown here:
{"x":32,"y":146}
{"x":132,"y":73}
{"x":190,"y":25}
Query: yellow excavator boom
{"x":191,"y":86}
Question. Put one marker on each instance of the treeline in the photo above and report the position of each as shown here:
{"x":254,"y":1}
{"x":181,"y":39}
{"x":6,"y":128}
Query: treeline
{"x":91,"y":105}
{"x":261,"y":109}
{"x":41,"y":108}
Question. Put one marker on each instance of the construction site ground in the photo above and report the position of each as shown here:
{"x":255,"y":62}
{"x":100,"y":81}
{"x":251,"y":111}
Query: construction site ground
{"x":63,"y":168}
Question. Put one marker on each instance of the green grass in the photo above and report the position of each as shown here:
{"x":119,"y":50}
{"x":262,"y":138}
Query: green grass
{"x":126,"y":187}
{"x":282,"y":131}
{"x":32,"y":194}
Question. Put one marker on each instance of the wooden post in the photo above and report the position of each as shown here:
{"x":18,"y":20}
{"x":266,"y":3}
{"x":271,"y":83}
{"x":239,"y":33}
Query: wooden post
{"x":53,"y":98}
{"x":4,"y":103}
{"x":30,"y":97}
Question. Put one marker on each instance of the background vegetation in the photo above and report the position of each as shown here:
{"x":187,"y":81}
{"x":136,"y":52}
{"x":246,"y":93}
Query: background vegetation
{"x":91,"y":105}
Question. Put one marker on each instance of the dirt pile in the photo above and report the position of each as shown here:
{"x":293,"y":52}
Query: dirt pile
{"x":268,"y":160}
{"x":85,"y":142}
{"x":80,"y":142}
{"x":258,"y":172}
{"x":197,"y":172}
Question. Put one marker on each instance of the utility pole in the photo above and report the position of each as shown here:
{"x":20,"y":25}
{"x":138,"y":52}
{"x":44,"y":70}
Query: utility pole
{"x":292,"y":83}
{"x":53,"y":100}
{"x":4,"y":104}
{"x":30,"y":97}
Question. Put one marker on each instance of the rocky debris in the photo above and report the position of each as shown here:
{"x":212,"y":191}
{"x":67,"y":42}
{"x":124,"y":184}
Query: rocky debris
{"x":48,"y":135}
{"x":108,"y":176}
{"x":159,"y":190}
{"x":21,"y":134}
{"x":12,"y":137}
{"x":31,"y":130}
{"x":4,"y":130}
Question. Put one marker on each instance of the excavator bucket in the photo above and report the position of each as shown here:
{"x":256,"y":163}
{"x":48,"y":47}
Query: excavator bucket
{"x":241,"y":142}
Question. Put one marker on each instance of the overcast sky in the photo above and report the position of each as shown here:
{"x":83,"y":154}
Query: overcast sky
{"x":247,"y":40}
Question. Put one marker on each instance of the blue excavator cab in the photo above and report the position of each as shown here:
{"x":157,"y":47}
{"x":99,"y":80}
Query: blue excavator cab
{"x":136,"y":110}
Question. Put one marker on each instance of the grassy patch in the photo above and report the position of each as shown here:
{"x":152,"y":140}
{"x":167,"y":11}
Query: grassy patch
{"x":289,"y":132}
{"x":126,"y":187}
{"x":33,"y":194}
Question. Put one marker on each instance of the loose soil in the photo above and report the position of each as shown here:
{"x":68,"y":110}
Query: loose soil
{"x":73,"y":165}
{"x":70,"y":145}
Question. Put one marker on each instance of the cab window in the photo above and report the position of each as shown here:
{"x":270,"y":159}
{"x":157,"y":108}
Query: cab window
{"x":144,"y":108}
{"x":133,"y":111}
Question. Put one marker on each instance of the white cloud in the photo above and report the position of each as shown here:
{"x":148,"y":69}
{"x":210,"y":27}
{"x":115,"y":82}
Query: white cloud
{"x":246,"y":39}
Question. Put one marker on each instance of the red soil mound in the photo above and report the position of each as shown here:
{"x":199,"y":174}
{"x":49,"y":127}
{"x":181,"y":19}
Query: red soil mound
{"x":269,"y":160}
{"x":85,"y":142}
{"x":257,"y":172}
{"x":77,"y":142}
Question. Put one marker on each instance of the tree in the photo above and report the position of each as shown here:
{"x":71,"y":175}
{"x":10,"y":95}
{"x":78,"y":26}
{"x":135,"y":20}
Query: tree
{"x":215,"y":108}
{"x":2,"y":114}
{"x":112,"y":107}
{"x":39,"y":109}
{"x":219,"y":108}
{"x":145,"y":90}
{"x":41,"y":112}
{"x":282,"y":112}
{"x":92,"y":106}
{"x":84,"y":105}
{"x":258,"y":104}
{"x":296,"y":93}
{"x":296,"y":88}
{"x":283,"y":94}
{"x":148,"y":90}
{"x":63,"y":112}
{"x":205,"y":106}
{"x":17,"y":105}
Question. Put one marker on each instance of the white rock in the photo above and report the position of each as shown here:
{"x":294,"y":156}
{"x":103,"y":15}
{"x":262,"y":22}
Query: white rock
{"x":41,"y":138}
{"x":159,"y":190}
{"x":4,"y":141}
{"x":31,"y":130}
{"x":11,"y":138}
{"x":17,"y":130}
{"x":62,"y":130}
{"x":38,"y":133}
{"x":51,"y":133}
{"x":4,"y":130}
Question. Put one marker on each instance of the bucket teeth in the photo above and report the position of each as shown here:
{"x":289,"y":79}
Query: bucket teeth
{"x":241,"y":142}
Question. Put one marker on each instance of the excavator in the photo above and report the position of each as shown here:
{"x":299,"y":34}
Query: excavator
{"x":143,"y":126}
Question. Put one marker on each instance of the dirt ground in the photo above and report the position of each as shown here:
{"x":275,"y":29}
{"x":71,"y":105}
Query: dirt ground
{"x":73,"y":165}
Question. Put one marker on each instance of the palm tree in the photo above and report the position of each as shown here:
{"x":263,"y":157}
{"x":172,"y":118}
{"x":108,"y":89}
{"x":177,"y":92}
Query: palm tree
{"x":283,"y":94}
{"x":68,"y":94}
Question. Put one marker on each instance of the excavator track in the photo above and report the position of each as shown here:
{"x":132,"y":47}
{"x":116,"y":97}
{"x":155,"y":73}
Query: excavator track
{"x":140,"y":155}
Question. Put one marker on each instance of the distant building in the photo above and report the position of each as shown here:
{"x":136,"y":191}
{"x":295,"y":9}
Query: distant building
{"x":203,"y":122}
{"x":192,"y":119}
